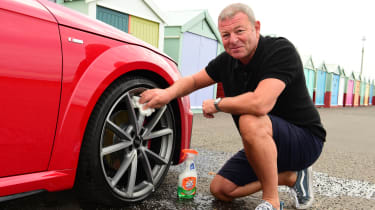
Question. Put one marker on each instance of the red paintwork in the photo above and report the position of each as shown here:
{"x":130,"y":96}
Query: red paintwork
{"x":220,"y":90}
{"x":49,"y":87}
{"x":314,"y":96}
{"x":327,"y":99}
{"x":47,"y":180}
{"x":28,"y":117}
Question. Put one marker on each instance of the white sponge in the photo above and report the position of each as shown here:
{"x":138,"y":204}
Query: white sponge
{"x":136,"y":103}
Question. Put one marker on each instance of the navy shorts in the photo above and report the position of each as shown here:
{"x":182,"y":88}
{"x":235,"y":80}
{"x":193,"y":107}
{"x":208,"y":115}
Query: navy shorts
{"x":297,"y":149}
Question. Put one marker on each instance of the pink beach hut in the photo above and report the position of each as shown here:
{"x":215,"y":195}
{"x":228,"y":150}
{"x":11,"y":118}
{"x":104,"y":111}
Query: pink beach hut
{"x":348,"y":94}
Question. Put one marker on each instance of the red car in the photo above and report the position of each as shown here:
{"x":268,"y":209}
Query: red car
{"x":67,"y":117}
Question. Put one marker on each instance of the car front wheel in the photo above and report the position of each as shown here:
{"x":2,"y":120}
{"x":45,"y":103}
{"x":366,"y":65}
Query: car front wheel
{"x":125,"y":155}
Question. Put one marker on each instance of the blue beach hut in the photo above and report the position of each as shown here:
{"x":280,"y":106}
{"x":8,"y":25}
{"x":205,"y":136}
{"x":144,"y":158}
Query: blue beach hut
{"x":321,"y":76}
{"x":332,"y":85}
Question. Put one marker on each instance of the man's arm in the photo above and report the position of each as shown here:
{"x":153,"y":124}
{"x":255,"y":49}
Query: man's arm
{"x":156,"y":98}
{"x":260,"y":102}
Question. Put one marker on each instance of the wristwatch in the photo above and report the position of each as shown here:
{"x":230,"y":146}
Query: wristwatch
{"x":216,"y":103}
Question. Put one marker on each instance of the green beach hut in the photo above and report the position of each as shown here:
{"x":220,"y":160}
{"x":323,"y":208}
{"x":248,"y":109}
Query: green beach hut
{"x":193,"y":40}
{"x":310,"y":72}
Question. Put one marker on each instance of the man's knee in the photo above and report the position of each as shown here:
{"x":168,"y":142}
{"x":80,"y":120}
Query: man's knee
{"x":221,"y":188}
{"x":214,"y":188}
{"x":252,"y":126}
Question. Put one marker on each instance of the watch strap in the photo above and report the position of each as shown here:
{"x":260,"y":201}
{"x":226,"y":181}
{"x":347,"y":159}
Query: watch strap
{"x":216,"y":104}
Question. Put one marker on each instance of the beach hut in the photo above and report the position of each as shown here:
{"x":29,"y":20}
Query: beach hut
{"x":192,"y":40}
{"x":367,"y":92}
{"x":310,"y":72}
{"x":372,"y":93}
{"x":348,"y":89}
{"x":321,"y":76}
{"x":141,"y":18}
{"x":332,"y":85}
{"x":356,"y":90}
{"x":362,"y":91}
{"x":343,"y":79}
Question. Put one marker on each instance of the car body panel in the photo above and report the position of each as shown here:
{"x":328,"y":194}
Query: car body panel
{"x":30,"y":8}
{"x":30,"y":89}
{"x":68,"y":69}
{"x":46,"y":180}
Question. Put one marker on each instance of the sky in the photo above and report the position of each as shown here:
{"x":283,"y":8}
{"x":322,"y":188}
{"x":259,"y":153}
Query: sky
{"x":329,"y":30}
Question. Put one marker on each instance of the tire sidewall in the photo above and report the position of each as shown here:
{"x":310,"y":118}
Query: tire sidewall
{"x":94,"y":134}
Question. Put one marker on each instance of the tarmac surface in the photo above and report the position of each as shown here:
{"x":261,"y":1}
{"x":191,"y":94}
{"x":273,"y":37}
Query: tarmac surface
{"x":344,"y":175}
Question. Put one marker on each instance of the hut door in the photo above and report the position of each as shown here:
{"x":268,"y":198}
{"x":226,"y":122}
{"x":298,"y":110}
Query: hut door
{"x":311,"y":80}
{"x":335,"y":89}
{"x":145,"y":30}
{"x":321,"y":87}
{"x":341,"y":91}
{"x":349,"y":93}
{"x":197,"y":51}
{"x":356,"y":93}
{"x":113,"y":18}
{"x":367,"y":92}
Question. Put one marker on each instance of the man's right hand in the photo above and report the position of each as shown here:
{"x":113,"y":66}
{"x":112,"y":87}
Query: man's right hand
{"x":155,"y":98}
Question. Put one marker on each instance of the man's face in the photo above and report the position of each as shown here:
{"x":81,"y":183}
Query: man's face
{"x":240,"y":37}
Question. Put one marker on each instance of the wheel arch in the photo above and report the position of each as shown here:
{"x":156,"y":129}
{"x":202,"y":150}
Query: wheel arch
{"x":104,"y":71}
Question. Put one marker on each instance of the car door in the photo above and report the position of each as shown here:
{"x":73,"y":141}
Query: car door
{"x":30,"y":85}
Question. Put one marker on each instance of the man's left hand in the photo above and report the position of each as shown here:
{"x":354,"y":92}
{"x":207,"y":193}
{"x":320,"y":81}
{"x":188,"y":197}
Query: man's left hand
{"x":208,"y":108}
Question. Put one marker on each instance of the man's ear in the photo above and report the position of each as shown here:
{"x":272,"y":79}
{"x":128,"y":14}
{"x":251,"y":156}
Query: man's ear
{"x":257,"y":28}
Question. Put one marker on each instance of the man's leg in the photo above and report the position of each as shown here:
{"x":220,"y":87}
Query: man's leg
{"x":226,"y":190}
{"x":297,"y":150}
{"x":261,"y":152}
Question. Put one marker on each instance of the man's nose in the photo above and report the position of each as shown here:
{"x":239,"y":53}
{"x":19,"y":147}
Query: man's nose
{"x":233,"y":39}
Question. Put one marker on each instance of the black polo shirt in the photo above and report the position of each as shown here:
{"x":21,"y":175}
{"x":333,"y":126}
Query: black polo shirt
{"x":273,"y":58}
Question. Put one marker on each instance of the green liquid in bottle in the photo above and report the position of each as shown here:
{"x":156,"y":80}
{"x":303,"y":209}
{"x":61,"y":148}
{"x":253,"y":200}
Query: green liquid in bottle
{"x":185,"y":194}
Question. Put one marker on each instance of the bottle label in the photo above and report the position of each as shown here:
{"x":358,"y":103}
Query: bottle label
{"x":188,"y":183}
{"x":182,"y":194}
{"x":192,"y":166}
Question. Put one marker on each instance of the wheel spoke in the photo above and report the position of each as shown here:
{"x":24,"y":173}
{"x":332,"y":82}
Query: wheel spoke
{"x":147,"y":166}
{"x":131,"y":112}
{"x":154,"y":121}
{"x":124,"y":166}
{"x":159,"y":160}
{"x":133,"y":175}
{"x":117,"y":130}
{"x":164,"y":132}
{"x":115,"y":147}
{"x":141,"y":120}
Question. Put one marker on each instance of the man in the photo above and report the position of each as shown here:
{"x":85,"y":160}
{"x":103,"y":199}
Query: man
{"x":266,"y":94}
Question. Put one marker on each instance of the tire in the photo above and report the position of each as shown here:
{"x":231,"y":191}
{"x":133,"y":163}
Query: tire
{"x":124,"y":156}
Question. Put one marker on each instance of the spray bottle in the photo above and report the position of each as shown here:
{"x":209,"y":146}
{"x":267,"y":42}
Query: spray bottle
{"x":187,"y":180}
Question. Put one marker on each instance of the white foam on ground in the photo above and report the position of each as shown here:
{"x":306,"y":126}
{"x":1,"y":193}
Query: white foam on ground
{"x":334,"y":187}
